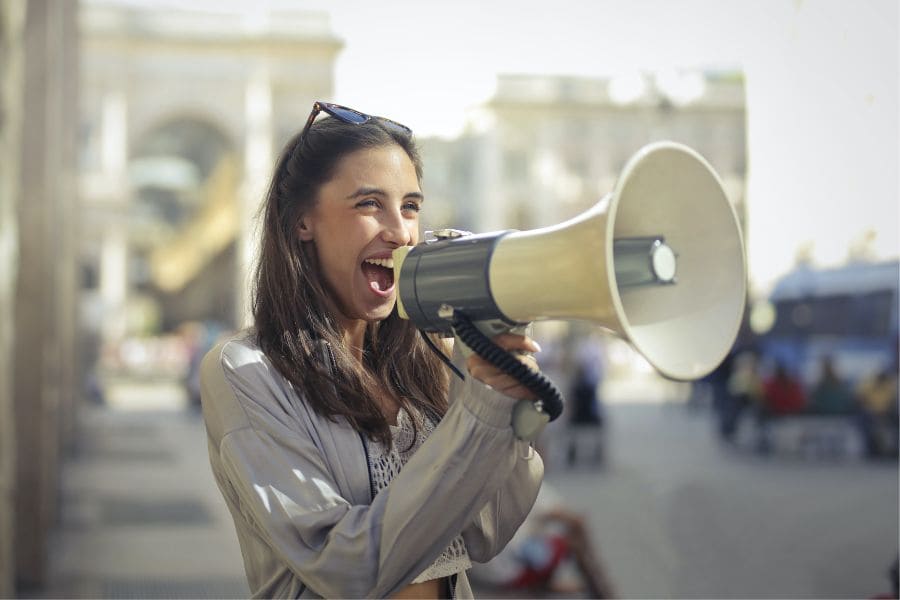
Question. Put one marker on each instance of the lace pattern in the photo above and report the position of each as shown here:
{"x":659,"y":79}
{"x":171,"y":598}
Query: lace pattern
{"x":385,"y":463}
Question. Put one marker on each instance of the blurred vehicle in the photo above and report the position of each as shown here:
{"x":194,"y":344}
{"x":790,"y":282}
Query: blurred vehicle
{"x":846,"y":314}
{"x":834,"y":333}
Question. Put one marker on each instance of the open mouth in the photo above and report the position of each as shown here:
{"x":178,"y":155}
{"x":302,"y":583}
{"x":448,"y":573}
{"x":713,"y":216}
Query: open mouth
{"x":379,"y":272}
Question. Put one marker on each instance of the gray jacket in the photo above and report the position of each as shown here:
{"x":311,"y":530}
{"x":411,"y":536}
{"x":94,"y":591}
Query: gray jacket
{"x":297,"y":484}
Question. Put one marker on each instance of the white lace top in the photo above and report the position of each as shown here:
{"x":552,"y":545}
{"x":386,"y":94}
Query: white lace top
{"x":384,"y":464}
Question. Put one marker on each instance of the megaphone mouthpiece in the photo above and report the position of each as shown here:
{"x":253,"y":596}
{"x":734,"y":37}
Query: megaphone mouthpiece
{"x":644,"y":260}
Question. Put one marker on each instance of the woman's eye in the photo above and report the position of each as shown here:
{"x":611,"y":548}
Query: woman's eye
{"x":367,"y":203}
{"x":414,"y":206}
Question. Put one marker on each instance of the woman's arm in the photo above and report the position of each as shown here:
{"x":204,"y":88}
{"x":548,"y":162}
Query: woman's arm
{"x":500,"y":518}
{"x":289,"y":497}
{"x":494,"y":526}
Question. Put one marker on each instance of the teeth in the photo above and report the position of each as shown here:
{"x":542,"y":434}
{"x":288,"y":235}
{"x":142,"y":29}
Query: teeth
{"x":381,"y":262}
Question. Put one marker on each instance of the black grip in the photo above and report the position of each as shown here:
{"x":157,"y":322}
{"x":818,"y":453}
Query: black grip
{"x":550,"y":399}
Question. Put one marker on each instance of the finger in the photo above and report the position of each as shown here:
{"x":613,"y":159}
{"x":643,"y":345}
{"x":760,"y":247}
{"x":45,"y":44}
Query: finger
{"x":512,"y":389}
{"x":521,"y":347}
{"x":502,"y":383}
{"x":529,"y":361}
{"x":514,"y":341}
{"x":476,"y":361}
{"x":495,"y":379}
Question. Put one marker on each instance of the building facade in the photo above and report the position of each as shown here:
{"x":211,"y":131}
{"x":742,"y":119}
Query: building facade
{"x":135,"y":146}
{"x":38,"y":85}
{"x":546,"y":148}
{"x":182,"y":115}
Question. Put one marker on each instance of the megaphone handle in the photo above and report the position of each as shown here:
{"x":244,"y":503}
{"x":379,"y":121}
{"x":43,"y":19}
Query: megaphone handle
{"x":549,"y":397}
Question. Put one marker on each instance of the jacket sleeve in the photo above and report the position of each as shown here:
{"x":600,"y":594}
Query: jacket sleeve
{"x":496,"y":523}
{"x":494,"y":526}
{"x":288,"y":495}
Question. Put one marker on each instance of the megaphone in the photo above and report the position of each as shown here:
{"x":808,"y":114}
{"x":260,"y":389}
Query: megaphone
{"x":659,"y":262}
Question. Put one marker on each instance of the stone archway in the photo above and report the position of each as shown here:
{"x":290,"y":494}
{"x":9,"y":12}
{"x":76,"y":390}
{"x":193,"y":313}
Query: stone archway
{"x":184,"y":177}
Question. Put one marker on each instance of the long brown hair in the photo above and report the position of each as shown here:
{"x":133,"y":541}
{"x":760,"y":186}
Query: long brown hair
{"x":294,"y":324}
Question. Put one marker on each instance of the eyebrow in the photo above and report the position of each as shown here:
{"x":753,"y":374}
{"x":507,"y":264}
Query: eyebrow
{"x":374,"y":191}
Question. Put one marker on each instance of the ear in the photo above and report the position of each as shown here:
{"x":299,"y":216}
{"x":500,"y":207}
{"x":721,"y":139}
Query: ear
{"x":304,"y":229}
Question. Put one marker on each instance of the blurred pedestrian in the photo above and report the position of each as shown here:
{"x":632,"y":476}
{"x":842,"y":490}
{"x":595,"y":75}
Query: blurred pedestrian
{"x":351,"y":466}
{"x":877,"y":400}
{"x":893,"y":574}
{"x":551,"y":536}
{"x":198,"y":337}
{"x":782,"y":395}
{"x":743,"y":391}
{"x":830,"y":395}
{"x":586,"y":414}
{"x":714,"y":386}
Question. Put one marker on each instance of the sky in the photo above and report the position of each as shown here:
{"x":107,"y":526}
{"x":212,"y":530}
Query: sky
{"x":821,"y":81}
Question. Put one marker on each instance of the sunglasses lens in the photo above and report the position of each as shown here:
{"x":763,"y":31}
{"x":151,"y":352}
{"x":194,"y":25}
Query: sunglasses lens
{"x":395,"y":126}
{"x":347,"y":115}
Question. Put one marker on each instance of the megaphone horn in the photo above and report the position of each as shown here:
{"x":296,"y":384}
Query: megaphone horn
{"x":659,"y":261}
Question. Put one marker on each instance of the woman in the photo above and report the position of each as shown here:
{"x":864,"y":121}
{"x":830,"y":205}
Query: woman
{"x":311,"y":413}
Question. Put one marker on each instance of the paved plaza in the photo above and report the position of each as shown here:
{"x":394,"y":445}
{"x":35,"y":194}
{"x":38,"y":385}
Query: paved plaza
{"x":673,"y":513}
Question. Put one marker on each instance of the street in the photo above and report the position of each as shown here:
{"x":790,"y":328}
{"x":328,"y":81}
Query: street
{"x":677,"y":515}
{"x":673,"y":513}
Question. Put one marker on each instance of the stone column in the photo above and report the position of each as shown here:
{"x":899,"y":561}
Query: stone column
{"x":114,"y":244}
{"x":12,"y":29}
{"x":491,"y":208}
{"x":44,"y":317}
{"x":257,"y":169}
{"x":67,"y":273}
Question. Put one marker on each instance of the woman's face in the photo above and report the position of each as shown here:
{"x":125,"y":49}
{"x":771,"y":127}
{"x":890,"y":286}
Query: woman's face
{"x":368,"y":208}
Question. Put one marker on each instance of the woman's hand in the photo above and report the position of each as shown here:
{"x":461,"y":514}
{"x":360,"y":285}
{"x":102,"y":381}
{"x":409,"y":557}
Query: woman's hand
{"x":490,"y":375}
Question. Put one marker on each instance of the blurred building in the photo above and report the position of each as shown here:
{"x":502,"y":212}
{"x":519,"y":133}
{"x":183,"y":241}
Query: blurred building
{"x":135,"y":145}
{"x":181,"y":117}
{"x":546,"y":148}
{"x":38,"y":112}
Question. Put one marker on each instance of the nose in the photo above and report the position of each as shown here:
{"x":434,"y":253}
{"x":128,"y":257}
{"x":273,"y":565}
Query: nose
{"x":396,"y":229}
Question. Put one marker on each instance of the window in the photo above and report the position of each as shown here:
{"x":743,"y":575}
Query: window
{"x":838,"y":315}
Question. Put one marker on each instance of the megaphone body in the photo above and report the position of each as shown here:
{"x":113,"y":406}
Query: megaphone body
{"x":659,"y":262}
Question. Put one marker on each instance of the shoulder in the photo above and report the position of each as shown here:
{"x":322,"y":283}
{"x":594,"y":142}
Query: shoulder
{"x":240,"y":387}
{"x":238,"y":361}
{"x":236,"y":350}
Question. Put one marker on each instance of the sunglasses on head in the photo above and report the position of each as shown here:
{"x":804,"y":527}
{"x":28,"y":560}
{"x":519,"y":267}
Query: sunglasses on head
{"x":349,"y":115}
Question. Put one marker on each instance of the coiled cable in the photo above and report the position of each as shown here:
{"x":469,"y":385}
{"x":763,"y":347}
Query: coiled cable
{"x":549,"y":400}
